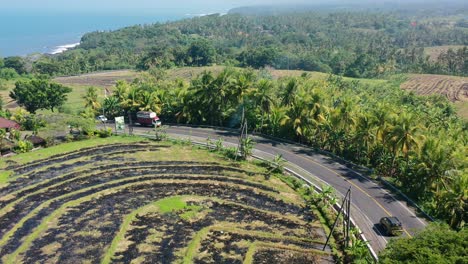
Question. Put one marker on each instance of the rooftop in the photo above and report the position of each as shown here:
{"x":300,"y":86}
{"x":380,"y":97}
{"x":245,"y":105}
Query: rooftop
{"x":5,"y":123}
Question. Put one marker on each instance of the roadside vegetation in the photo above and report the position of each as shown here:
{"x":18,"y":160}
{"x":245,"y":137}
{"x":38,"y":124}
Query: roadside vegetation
{"x":417,"y":143}
{"x":436,"y":244}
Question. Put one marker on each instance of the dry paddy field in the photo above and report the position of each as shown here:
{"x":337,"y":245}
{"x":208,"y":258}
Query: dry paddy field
{"x":124,"y":200}
{"x":454,"y":88}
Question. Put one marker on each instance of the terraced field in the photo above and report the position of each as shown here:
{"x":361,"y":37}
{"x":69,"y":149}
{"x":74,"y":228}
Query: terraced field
{"x":454,"y":88}
{"x":147,"y":202}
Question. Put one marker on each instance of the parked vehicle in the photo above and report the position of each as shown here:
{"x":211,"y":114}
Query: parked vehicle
{"x":148,"y":118}
{"x":391,"y":225}
{"x":102,"y":118}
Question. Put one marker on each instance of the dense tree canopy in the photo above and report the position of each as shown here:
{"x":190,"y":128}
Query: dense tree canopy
{"x":16,"y":63}
{"x":436,"y":244}
{"x":36,"y":94}
{"x":356,"y":44}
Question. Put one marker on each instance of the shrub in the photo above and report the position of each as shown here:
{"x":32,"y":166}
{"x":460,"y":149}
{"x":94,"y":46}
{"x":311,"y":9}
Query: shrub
{"x":50,"y":141}
{"x":8,"y":74}
{"x":104,"y":133}
{"x":435,"y":244}
{"x":23,"y":146}
{"x":33,"y":123}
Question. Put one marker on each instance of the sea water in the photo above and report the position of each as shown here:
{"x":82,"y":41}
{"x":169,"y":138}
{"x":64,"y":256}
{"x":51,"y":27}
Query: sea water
{"x":28,"y":32}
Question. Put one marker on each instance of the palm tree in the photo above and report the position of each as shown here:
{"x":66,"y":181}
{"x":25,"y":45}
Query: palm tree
{"x":149,"y":101}
{"x":263,"y":99}
{"x":298,"y":114}
{"x":121,"y":90}
{"x":453,"y":202}
{"x":366,"y":134}
{"x":276,"y":119}
{"x":434,"y":162}
{"x":288,"y":91}
{"x":206,"y":100}
{"x":132,"y":101}
{"x":112,"y":106}
{"x":403,"y":135}
{"x":91,"y":99}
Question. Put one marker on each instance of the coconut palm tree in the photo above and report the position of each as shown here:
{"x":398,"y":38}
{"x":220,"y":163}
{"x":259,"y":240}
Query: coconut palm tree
{"x":276,"y":119}
{"x":149,"y":101}
{"x":453,"y":202}
{"x":366,"y":133}
{"x":112,"y":106}
{"x":403,"y":135}
{"x":288,"y":90}
{"x":434,"y":162}
{"x":91,"y":99}
{"x":121,"y":90}
{"x":263,"y":98}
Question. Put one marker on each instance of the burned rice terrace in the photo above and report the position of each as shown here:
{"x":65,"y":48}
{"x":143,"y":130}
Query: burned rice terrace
{"x":130,"y":201}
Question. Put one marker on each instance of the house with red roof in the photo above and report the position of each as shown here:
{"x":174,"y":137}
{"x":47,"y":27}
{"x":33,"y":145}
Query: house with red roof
{"x":8,"y":124}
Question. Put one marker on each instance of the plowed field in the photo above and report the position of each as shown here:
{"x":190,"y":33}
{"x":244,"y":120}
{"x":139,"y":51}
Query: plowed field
{"x":454,"y":88}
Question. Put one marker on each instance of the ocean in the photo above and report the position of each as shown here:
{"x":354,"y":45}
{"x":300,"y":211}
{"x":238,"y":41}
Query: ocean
{"x":23,"y":33}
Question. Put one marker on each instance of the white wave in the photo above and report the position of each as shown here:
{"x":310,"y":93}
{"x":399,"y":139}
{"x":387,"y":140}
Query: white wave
{"x":205,"y":14}
{"x":62,"y":48}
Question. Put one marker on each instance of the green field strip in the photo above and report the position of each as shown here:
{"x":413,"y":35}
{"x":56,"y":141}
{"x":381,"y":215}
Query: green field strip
{"x":57,"y":213}
{"x":157,"y":206}
{"x":249,"y":256}
{"x":116,"y":169}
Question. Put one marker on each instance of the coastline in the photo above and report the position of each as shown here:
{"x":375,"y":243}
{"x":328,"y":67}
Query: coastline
{"x":63,"y":48}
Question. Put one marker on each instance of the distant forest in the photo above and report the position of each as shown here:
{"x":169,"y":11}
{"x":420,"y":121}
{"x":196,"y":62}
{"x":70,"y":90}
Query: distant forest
{"x":362,"y":44}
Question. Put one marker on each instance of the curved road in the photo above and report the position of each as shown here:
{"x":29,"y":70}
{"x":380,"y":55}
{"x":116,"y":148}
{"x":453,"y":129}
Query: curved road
{"x":370,"y":201}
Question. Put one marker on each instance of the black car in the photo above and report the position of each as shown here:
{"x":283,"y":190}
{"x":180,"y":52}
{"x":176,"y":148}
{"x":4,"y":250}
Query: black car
{"x":391,"y":225}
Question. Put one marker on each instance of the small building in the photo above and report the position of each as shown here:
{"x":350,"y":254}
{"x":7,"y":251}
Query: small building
{"x":8,"y":124}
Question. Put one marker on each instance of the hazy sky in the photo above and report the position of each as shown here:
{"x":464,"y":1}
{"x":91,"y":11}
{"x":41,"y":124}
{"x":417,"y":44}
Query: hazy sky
{"x":136,"y":4}
{"x":154,"y":5}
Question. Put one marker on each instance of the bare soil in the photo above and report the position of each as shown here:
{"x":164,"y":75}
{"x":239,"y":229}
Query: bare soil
{"x":454,"y":88}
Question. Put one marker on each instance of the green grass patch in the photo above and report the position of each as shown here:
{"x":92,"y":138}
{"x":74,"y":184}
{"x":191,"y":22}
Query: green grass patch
{"x":194,"y":245}
{"x":249,"y":256}
{"x":171,"y":204}
{"x":4,"y":176}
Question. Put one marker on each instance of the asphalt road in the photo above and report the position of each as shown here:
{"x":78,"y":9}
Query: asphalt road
{"x":370,"y":201}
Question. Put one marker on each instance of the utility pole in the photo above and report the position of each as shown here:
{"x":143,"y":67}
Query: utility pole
{"x":130,"y":124}
{"x":346,"y":219}
{"x":243,"y":133}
